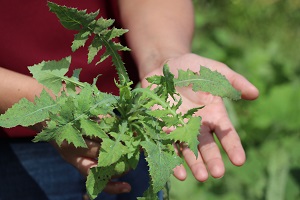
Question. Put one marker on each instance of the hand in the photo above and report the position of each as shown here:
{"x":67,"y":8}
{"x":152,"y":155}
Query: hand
{"x":85,"y":158}
{"x":214,"y":119}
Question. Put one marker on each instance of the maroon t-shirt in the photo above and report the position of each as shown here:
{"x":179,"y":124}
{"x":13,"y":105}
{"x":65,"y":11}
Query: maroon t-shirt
{"x":30,"y":33}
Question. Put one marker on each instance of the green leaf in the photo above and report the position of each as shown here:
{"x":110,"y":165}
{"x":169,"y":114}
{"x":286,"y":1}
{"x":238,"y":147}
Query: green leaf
{"x":169,"y":81}
{"x":111,"y":151}
{"x":69,"y":134}
{"x":103,"y":104}
{"x":44,"y":136}
{"x":80,"y":39}
{"x":26,"y":113}
{"x":168,"y":116}
{"x":167,"y":113}
{"x":85,"y":99}
{"x":71,"y":18}
{"x":187,"y":133}
{"x":165,"y":86}
{"x":149,"y":194}
{"x":97,"y":179}
{"x":86,"y":24}
{"x":51,"y":74}
{"x":94,"y":48}
{"x":99,"y":176}
{"x":207,"y":81}
{"x":92,"y":128}
{"x":161,"y":164}
{"x":102,"y":25}
{"x":73,"y":83}
{"x":112,"y":49}
{"x":151,"y":97}
{"x":191,"y":112}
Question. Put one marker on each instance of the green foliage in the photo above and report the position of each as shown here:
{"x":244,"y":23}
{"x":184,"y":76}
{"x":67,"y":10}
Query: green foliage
{"x":259,"y":39}
{"x":87,"y":24}
{"x":161,"y":163}
{"x":124,"y":123}
{"x":26,"y":113}
{"x":203,"y":81}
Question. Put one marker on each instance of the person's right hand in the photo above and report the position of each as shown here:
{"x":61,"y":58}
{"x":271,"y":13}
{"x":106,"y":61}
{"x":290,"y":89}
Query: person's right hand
{"x":85,"y":158}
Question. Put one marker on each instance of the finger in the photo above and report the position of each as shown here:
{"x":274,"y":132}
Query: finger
{"x":248,"y":90}
{"x":82,"y":164}
{"x":230,"y":141}
{"x":117,"y":187}
{"x":92,"y":150}
{"x":210,"y":152}
{"x":196,"y":165}
{"x":180,"y":173}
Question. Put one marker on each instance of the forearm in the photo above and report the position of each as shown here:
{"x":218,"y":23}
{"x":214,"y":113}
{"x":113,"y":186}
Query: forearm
{"x":14,"y":86}
{"x":158,"y":30}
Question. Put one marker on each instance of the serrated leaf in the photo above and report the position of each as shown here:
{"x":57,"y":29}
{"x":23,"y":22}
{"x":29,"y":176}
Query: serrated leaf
{"x":92,"y":128}
{"x":94,"y":48}
{"x":74,"y":19}
{"x":149,"y":195}
{"x":47,"y":134}
{"x":191,"y":112}
{"x":207,"y":81}
{"x":116,"y":47}
{"x":26,"y":113}
{"x":165,"y":84}
{"x":85,"y":99}
{"x":152,"y":126}
{"x":97,"y":179}
{"x":156,"y":79}
{"x":133,"y":158}
{"x":167,"y":116}
{"x":187,"y":133}
{"x":169,"y":81}
{"x":103,"y":104}
{"x":71,"y":135}
{"x":80,"y":39}
{"x":116,"y":32}
{"x":71,"y":18}
{"x":111,"y":151}
{"x":151,"y":96}
{"x":51,"y":73}
{"x":70,"y":86}
{"x":102,"y":25}
{"x":161,"y":164}
{"x":44,"y":136}
{"x":112,"y":49}
{"x":66,"y":113}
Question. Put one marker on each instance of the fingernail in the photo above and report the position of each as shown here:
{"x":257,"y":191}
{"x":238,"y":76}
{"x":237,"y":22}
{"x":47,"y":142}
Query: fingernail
{"x":125,"y":190}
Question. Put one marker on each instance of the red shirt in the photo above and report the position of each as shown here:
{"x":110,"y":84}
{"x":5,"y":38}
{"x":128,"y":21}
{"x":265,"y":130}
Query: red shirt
{"x":30,"y":33}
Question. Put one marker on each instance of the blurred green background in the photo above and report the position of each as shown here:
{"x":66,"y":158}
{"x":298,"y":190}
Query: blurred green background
{"x":260,"y":39}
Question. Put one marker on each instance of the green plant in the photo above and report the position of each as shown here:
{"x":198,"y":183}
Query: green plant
{"x":128,"y":122}
{"x":235,"y":33}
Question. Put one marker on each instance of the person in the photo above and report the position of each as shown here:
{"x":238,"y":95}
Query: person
{"x":159,"y":32}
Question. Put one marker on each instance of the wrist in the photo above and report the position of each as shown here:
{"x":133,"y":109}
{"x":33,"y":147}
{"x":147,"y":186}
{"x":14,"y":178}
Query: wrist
{"x":15,"y":86}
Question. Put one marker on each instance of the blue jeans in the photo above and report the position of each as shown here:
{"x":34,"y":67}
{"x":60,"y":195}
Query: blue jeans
{"x":35,"y":171}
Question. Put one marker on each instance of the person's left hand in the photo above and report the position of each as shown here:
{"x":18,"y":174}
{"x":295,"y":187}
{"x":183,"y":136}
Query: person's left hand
{"x":85,"y":158}
{"x":214,"y":119}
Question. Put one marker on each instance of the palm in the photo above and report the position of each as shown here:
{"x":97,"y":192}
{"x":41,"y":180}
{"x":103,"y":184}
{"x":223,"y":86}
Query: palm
{"x":214,"y":119}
